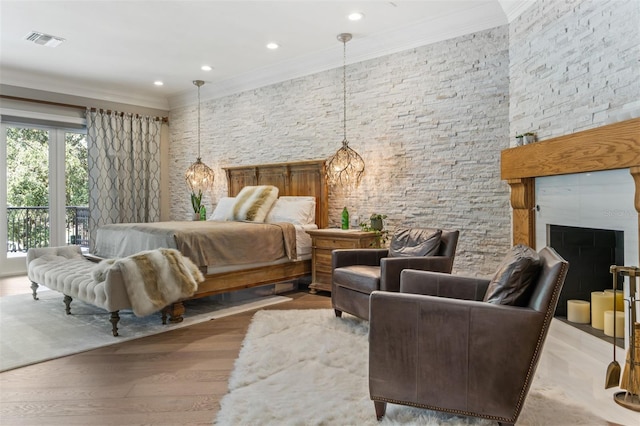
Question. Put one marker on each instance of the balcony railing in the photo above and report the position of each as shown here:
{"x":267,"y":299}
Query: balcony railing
{"x":30,"y":227}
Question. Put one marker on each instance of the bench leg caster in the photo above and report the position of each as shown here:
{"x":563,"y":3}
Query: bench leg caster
{"x":67,"y":304}
{"x":34,"y":289}
{"x":115,"y":317}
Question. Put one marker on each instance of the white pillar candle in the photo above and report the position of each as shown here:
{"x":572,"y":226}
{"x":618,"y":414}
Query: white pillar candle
{"x":619,"y":299}
{"x":578,"y":311}
{"x":608,"y":323}
{"x":600,"y":302}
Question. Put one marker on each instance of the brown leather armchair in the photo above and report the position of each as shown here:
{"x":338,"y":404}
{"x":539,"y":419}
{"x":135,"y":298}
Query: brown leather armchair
{"x":355,"y":273}
{"x":443,"y":348}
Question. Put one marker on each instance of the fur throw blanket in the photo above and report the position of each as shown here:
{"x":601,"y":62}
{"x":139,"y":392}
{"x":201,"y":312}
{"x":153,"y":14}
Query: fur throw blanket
{"x":153,"y":279}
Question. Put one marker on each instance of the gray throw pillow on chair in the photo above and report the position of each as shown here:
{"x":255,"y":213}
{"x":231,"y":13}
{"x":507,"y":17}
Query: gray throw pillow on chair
{"x":414,"y":242}
{"x":511,"y":284}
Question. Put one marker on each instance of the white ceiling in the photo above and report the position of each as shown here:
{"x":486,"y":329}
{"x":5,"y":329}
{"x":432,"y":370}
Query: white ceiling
{"x":115,"y":50}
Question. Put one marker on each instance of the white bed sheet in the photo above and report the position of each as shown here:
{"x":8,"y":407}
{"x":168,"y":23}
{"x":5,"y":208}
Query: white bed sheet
{"x":303,"y":240}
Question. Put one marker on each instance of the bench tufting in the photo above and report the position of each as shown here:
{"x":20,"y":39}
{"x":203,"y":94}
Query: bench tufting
{"x":66,"y":270}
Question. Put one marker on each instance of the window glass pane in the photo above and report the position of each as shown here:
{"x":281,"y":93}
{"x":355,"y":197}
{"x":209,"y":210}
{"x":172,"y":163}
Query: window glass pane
{"x":27,"y":189}
{"x":77,"y":190}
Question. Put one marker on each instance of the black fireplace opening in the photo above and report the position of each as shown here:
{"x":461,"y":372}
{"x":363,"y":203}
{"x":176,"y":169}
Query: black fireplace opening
{"x":590,"y":253}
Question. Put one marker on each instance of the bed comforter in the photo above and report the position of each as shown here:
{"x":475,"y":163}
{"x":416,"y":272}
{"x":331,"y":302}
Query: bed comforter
{"x":206,"y":243}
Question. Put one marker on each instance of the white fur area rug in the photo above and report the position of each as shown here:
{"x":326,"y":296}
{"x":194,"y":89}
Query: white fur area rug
{"x":33,"y":331}
{"x":307,"y":367}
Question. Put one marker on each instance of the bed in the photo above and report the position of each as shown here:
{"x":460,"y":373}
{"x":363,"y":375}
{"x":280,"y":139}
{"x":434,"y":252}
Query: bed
{"x":292,"y":179}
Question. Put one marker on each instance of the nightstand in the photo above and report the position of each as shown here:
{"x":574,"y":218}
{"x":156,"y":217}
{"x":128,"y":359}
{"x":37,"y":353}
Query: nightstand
{"x":323,"y":242}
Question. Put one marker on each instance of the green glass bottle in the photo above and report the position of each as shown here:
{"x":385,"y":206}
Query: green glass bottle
{"x":345,"y":218}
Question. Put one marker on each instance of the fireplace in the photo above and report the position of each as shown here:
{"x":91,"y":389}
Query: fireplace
{"x":570,"y":163}
{"x":590,"y":253}
{"x":590,"y":220}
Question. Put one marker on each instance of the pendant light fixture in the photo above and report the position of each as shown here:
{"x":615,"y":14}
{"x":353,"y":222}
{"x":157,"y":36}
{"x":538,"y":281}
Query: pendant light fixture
{"x":199,"y":176}
{"x":345,"y":167}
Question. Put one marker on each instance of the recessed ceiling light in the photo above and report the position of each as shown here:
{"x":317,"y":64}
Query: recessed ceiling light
{"x":355,"y":16}
{"x":158,"y":83}
{"x":272,"y":46}
{"x":206,"y":68}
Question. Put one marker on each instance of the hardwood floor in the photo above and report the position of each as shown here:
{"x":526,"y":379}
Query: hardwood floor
{"x":177,"y":377}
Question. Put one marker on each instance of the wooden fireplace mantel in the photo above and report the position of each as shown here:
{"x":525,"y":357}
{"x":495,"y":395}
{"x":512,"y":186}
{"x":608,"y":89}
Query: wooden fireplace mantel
{"x":614,"y":146}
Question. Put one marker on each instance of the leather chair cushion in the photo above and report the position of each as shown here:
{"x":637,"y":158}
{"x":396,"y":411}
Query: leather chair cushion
{"x":362,"y":278}
{"x":511,"y":284}
{"x":414,"y":242}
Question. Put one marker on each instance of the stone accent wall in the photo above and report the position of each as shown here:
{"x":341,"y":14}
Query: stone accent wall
{"x":429,"y":122}
{"x":574,"y":66}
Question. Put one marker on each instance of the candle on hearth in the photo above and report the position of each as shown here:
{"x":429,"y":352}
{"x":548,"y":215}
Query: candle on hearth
{"x":578,"y":311}
{"x":619,"y":299}
{"x":608,"y":323}
{"x":600,"y":302}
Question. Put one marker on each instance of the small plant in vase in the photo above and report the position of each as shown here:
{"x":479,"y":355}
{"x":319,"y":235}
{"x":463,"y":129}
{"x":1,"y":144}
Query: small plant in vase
{"x":525,"y":138}
{"x":376,"y":225}
{"x":529,"y":137}
{"x":196,"y":203}
{"x":376,"y":221}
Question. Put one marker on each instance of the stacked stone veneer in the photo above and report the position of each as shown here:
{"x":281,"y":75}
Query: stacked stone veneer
{"x":431,"y":122}
{"x":574,"y":65}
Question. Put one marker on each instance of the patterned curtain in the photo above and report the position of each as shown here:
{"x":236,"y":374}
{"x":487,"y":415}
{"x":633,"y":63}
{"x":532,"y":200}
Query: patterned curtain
{"x":124,"y":169}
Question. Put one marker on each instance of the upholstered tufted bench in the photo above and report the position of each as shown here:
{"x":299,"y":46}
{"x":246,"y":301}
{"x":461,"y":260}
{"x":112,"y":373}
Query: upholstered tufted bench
{"x":66,"y":270}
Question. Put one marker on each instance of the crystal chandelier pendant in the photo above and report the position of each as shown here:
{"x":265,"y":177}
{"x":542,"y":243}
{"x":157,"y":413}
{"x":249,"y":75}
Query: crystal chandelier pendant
{"x":346,"y":167}
{"x":199,"y":176}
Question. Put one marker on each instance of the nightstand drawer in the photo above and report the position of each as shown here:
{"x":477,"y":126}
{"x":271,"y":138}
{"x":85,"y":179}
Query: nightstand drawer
{"x":324,"y":241}
{"x":323,"y":277}
{"x":335,"y":243}
{"x":325,"y":268}
{"x":323,"y":257}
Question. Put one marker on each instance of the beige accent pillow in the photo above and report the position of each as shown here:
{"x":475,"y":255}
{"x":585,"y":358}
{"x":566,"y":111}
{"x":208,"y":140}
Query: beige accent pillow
{"x":254,"y":202}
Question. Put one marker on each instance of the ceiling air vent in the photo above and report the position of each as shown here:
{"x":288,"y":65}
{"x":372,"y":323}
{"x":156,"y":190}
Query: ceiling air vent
{"x":43,"y":39}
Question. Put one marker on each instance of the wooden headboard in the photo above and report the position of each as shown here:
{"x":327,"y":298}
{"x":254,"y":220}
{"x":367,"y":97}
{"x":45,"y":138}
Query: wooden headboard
{"x":294,"y":178}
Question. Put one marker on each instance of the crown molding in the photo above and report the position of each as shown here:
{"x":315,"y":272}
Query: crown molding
{"x":44,"y":82}
{"x":514,"y":8}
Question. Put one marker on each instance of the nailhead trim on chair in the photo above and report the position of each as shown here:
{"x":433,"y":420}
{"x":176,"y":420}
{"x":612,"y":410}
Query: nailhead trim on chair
{"x":547,"y":319}
{"x":430,"y":407}
{"x":536,"y":354}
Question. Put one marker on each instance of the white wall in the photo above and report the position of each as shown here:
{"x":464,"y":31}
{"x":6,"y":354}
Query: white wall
{"x":573,"y":66}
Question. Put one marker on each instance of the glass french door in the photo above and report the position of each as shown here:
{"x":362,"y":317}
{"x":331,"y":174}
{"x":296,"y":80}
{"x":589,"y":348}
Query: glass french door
{"x":45,"y":191}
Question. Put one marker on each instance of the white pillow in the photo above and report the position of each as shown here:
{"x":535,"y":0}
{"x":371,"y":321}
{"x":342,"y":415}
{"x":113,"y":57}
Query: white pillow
{"x":224,"y":209}
{"x":254,"y":202}
{"x":292,"y":209}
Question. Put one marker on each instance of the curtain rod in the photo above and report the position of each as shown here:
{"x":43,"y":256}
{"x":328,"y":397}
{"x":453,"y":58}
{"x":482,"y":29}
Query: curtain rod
{"x":80,"y":107}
